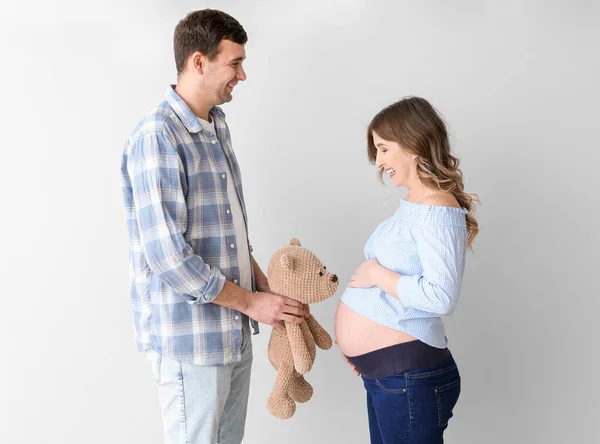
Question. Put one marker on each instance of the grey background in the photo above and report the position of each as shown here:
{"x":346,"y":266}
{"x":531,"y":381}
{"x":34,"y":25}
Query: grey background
{"x":517,"y":82}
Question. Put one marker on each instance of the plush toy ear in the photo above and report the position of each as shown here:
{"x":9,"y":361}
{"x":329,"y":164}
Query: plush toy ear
{"x":295,"y":241}
{"x":287,"y":261}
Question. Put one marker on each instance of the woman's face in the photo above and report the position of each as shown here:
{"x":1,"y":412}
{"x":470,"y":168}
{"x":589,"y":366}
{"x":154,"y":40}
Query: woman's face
{"x":398,"y":163}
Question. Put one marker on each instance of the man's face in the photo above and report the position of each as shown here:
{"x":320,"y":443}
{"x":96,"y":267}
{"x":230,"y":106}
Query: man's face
{"x":224,"y":72}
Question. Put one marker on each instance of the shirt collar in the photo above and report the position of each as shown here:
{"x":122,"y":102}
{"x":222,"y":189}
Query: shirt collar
{"x":185,"y":114}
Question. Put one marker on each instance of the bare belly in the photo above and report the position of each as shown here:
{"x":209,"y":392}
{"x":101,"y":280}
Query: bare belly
{"x":357,"y":335}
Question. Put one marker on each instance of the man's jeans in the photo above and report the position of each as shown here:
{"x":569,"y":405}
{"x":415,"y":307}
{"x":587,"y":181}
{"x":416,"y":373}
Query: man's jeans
{"x":203,"y":404}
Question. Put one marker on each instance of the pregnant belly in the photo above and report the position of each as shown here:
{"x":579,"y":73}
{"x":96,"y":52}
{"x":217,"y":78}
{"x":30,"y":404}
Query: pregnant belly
{"x":357,"y":335}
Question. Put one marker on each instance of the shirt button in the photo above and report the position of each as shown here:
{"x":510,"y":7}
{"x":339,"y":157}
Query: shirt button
{"x":237,"y":318}
{"x":228,"y":211}
{"x":232,"y":245}
{"x":223,"y":176}
{"x":213,"y":142}
{"x":235,"y":281}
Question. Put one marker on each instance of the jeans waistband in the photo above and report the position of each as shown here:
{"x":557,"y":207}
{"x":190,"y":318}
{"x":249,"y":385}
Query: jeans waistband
{"x":398,"y":359}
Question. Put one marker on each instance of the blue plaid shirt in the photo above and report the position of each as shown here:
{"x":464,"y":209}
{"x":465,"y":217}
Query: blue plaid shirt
{"x":182,"y":242}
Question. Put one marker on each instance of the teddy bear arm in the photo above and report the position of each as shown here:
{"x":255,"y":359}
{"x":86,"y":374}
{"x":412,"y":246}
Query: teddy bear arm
{"x":300,"y":352}
{"x":322,"y":338}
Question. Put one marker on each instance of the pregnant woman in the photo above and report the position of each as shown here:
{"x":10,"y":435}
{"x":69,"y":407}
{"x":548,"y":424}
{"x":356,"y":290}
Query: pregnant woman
{"x":388,"y":322}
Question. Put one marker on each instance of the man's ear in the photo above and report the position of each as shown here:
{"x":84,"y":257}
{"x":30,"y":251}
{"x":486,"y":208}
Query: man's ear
{"x":287,"y":262}
{"x":198,"y":62}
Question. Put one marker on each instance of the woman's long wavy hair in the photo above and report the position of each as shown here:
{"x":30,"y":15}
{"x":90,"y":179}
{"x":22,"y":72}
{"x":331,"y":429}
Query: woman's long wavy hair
{"x":420,"y":129}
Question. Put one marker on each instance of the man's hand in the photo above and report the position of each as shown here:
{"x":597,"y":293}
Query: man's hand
{"x":263,"y":287}
{"x":271,"y":309}
{"x":306,"y":311}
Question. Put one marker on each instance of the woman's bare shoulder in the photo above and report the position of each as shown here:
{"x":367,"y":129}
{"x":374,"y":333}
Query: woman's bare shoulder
{"x":441,"y":200}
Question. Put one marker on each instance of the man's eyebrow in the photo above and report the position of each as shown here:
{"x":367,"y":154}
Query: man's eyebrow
{"x":238,"y":59}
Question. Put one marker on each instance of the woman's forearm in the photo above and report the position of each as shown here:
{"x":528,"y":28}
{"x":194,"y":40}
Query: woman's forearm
{"x":386,"y":279}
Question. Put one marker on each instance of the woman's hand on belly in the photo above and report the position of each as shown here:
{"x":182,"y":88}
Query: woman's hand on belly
{"x":363,"y":276}
{"x":372,"y":274}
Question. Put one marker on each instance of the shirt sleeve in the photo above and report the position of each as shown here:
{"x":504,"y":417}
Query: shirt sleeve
{"x":441,"y":252}
{"x":158,"y":180}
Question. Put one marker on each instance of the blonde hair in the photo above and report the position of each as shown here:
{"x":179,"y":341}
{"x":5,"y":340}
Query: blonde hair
{"x":420,"y":129}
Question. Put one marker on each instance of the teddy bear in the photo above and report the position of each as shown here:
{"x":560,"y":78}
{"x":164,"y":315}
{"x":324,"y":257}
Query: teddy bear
{"x":295,"y":272}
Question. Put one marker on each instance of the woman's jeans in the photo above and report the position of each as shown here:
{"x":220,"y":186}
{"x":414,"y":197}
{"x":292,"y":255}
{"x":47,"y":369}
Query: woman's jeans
{"x":412,"y":407}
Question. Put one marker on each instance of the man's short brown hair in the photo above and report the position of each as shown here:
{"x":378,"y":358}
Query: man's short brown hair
{"x":203,"y":31}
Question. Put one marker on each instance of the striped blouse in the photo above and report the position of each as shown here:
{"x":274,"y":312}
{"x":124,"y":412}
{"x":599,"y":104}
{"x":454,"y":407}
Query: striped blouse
{"x":425,"y":244}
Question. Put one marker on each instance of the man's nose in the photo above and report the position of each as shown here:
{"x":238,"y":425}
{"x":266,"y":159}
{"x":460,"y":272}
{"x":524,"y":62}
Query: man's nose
{"x":241,"y":74}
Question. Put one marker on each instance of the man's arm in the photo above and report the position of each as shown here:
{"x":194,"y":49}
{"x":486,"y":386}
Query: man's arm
{"x":157,"y":180}
{"x":262,"y":285}
{"x":264,"y":307}
{"x":157,"y":176}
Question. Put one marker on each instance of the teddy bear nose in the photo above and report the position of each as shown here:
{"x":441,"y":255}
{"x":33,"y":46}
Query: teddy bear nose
{"x":333,"y":278}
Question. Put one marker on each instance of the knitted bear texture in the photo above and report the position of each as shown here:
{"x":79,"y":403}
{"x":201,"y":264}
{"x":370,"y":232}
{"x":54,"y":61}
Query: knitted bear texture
{"x":295,"y":272}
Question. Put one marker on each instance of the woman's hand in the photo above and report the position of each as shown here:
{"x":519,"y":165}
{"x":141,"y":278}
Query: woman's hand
{"x":363,"y":276}
{"x":349,"y":363}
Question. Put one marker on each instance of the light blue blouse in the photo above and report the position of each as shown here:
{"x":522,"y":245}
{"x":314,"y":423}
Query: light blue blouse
{"x":425,"y":244}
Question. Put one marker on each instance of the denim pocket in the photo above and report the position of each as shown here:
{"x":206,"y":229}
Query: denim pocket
{"x":447,"y":397}
{"x":392,"y":384}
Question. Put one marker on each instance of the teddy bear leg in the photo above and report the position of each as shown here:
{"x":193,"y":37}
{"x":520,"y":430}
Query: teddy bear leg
{"x":322,"y":338}
{"x":279,"y":403}
{"x":300,"y":390}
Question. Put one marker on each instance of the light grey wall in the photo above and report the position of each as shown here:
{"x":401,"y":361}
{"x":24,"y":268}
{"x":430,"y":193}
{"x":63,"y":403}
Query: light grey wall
{"x":518,"y":84}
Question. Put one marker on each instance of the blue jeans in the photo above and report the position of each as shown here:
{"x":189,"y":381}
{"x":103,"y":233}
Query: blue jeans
{"x":203,"y":404}
{"x":413,"y":407}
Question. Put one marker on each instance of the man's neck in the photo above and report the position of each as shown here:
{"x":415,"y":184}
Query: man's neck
{"x":198,"y":103}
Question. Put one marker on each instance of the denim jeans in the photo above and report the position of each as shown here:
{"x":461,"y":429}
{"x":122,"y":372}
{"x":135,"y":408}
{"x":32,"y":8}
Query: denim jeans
{"x":203,"y":404}
{"x":412,"y":407}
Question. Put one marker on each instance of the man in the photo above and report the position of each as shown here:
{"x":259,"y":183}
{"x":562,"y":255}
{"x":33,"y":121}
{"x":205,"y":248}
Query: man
{"x":192,"y":273}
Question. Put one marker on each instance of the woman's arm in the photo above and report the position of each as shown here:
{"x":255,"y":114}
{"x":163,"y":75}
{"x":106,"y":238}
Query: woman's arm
{"x":372,"y":274}
{"x":435,"y":290}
